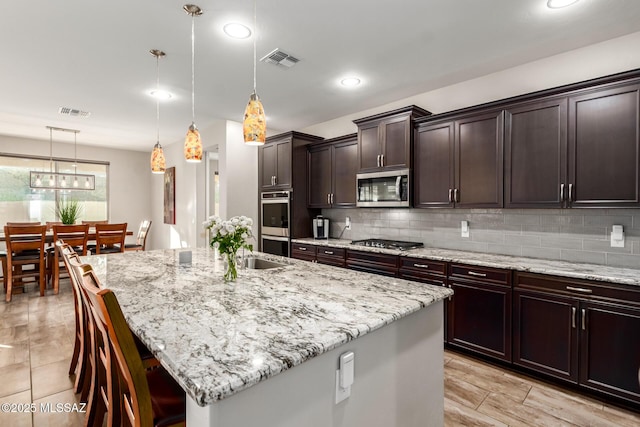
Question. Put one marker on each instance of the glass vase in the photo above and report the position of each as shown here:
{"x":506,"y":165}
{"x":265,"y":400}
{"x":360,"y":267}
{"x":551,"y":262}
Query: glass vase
{"x":231,"y":267}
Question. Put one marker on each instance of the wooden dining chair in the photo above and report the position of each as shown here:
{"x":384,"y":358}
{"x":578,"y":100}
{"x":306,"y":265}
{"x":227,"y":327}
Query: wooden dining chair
{"x":25,"y":246}
{"x":136,"y":396}
{"x":93,"y":223}
{"x":22,"y":224}
{"x":50,"y":224}
{"x":75,"y":236}
{"x":110,"y":238}
{"x":141,"y":238}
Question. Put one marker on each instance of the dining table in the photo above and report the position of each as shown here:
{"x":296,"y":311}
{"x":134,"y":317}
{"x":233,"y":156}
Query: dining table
{"x":266,"y":349}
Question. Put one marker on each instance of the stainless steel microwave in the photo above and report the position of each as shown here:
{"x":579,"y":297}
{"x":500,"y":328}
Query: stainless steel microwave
{"x":383,"y":189}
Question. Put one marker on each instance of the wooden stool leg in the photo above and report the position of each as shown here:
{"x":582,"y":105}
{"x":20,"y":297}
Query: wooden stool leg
{"x":42,"y":277}
{"x":8,"y":279}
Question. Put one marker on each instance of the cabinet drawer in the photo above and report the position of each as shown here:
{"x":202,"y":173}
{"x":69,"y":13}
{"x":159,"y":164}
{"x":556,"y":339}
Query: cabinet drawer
{"x":484,"y":274}
{"x":331,"y":256}
{"x":303,"y":251}
{"x":423,"y":266}
{"x":372,"y":262}
{"x":578,"y":288}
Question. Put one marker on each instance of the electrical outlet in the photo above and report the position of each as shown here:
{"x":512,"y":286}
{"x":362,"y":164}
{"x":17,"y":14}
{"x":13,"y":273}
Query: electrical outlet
{"x":464,"y":229}
{"x":347,"y":223}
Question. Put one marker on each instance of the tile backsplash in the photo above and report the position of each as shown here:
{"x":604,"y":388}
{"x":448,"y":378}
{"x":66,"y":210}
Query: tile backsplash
{"x":580,"y":235}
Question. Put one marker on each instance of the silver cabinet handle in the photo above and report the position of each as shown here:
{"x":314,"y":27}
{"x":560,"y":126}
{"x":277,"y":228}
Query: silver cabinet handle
{"x":421,"y":265}
{"x":378,"y":160}
{"x":328,"y":252}
{"x":449,"y":288}
{"x":382,"y":160}
{"x":583,"y":290}
{"x":302,"y":249}
{"x":331,"y":198}
{"x":570,"y":192}
{"x":450,"y":195}
{"x":573,"y":317}
{"x":275,"y":180}
{"x":584,"y":319}
{"x":328,"y":199}
{"x":455,"y":195}
{"x":473,"y":273}
{"x":562,"y":192}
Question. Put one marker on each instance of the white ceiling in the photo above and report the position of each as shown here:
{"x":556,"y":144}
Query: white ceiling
{"x":94,"y":56}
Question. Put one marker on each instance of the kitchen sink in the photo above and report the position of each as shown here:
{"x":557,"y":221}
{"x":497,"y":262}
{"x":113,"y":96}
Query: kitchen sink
{"x":263,"y":264}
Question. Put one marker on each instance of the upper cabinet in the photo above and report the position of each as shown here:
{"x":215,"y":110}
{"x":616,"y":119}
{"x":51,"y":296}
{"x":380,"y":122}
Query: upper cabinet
{"x":276,"y":160}
{"x":458,"y":162}
{"x":535,"y":139}
{"x":332,"y":169}
{"x":604,"y":150}
{"x":385,"y":140}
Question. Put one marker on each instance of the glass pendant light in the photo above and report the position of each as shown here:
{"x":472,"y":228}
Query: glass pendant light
{"x":192,"y":143}
{"x":254,"y":126}
{"x":158,"y":163}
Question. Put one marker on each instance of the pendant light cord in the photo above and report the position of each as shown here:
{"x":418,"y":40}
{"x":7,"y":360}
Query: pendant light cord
{"x":193,"y":68}
{"x":157,"y":99}
{"x":255,"y":35}
{"x":50,"y":149}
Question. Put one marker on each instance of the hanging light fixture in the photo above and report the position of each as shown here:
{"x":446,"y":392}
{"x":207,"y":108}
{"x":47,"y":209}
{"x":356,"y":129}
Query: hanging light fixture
{"x":158,"y":163}
{"x":254,"y":126}
{"x":59,"y":180}
{"x":192,"y":143}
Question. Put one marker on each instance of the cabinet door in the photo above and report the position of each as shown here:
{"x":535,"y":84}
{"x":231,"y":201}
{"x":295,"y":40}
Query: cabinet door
{"x":345,"y":168}
{"x":545,"y":334}
{"x":369,"y":148}
{"x":267,"y":159}
{"x":319,"y":176}
{"x":479,"y":155}
{"x":610,"y":349}
{"x":283,"y":164}
{"x":433,"y":166}
{"x":479,"y":318}
{"x":396,"y":142}
{"x":536,"y":154}
{"x":604,"y":148}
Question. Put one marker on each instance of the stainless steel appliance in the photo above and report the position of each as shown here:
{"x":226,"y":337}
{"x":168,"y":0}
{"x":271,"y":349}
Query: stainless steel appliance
{"x":275,"y":213}
{"x":383,"y":189}
{"x":320,"y":227}
{"x":388,"y":244}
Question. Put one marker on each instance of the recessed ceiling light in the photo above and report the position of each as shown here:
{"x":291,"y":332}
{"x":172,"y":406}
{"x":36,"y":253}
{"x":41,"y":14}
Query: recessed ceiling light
{"x":557,"y":4}
{"x":160,"y":94}
{"x":350,"y":81}
{"x":236,"y":31}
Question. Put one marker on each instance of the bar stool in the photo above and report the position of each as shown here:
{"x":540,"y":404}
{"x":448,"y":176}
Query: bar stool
{"x":141,"y":238}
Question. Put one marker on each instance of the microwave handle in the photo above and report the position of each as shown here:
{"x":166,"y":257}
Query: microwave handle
{"x":398,"y":182}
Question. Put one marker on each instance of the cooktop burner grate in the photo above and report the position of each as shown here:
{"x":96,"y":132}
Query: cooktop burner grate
{"x":388,"y":244}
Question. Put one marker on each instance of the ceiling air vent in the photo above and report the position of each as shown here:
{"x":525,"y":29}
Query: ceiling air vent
{"x":73,"y":112}
{"x":278,"y":57}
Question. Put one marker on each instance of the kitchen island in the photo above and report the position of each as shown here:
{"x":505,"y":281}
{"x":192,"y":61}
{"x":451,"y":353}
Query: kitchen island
{"x":265,"y":349}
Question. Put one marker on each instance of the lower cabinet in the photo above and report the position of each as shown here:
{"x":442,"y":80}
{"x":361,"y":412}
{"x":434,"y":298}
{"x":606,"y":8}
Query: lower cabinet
{"x":586,"y":333}
{"x":303,"y":251}
{"x":330,"y":256}
{"x":479,"y":315}
{"x":371,"y":262}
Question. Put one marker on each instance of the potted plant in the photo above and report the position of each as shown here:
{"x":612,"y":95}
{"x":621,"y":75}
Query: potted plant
{"x":69,"y":211}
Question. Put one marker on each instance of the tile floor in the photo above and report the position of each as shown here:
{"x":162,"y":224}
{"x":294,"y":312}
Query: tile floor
{"x":36,"y":343}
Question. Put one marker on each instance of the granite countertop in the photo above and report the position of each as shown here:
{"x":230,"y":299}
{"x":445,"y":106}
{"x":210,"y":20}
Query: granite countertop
{"x":217,"y":339}
{"x":575,"y":270}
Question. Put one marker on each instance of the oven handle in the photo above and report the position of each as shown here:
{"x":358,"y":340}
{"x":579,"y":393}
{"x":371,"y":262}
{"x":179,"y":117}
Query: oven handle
{"x":272,"y":201}
{"x":279,"y":239}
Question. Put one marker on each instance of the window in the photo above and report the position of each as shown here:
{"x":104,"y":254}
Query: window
{"x":21,"y":203}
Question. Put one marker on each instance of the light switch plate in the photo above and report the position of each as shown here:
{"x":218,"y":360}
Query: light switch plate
{"x":341,"y":393}
{"x":464,"y":228}
{"x":347,"y":223}
{"x":617,"y":236}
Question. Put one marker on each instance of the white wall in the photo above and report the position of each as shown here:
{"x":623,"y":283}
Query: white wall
{"x":129,"y":176}
{"x":238,"y":166}
{"x":610,"y":57}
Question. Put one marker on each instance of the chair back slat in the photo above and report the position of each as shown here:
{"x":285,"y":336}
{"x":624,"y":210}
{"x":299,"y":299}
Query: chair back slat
{"x":143,"y":231}
{"x":24,"y":237}
{"x":110,"y":235}
{"x":93,"y":223}
{"x":73,"y":235}
{"x":22,"y":223}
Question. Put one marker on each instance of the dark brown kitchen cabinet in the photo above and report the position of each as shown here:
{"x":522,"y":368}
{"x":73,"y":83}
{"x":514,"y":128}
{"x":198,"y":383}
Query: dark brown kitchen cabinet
{"x":479,"y":315}
{"x":535,"y":142}
{"x":278,"y":162}
{"x":426,"y":271}
{"x":332,"y":173}
{"x":385,"y":140}
{"x":583,"y":332}
{"x":331,"y":256}
{"x":458,"y":163}
{"x":604,"y":147}
{"x":303,"y":251}
{"x":372,"y":262}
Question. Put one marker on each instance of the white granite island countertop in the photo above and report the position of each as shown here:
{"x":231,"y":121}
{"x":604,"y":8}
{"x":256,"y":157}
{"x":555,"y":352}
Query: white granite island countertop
{"x":217,"y":338}
{"x":574,"y":270}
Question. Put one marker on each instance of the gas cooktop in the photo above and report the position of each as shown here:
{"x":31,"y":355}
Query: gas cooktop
{"x":387,"y":244}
